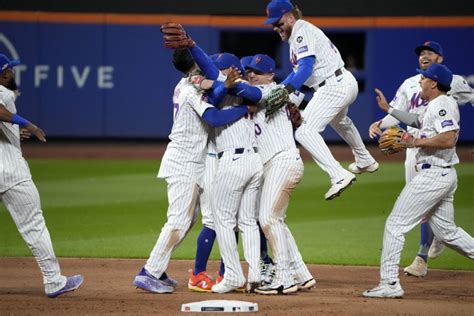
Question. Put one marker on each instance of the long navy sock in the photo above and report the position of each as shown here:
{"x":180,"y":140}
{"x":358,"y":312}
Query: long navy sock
{"x":205,"y":241}
{"x":263,"y":247}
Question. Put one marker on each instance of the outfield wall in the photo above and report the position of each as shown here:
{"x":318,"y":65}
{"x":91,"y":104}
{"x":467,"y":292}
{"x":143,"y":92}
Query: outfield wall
{"x":108,"y":76}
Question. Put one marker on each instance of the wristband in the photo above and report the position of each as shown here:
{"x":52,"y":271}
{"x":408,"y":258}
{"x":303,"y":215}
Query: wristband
{"x":16,"y":119}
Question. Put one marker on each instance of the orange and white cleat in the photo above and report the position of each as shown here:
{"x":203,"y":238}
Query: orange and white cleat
{"x":200,"y":282}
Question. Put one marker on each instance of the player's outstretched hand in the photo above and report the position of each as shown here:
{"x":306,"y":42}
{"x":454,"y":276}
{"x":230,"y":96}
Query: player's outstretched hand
{"x":233,"y":77}
{"x":35,"y":130}
{"x":381,"y":100}
{"x":24,"y":134}
{"x":374,"y":129}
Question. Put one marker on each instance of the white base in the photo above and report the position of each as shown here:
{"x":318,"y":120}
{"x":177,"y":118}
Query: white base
{"x":222,"y":306}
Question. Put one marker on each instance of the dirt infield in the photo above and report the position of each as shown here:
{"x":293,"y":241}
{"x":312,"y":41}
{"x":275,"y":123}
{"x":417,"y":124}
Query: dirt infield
{"x":108,"y":290}
{"x":151,"y":150}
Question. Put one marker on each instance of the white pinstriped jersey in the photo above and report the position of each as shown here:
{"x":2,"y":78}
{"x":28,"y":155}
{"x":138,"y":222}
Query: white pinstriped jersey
{"x":408,"y":97}
{"x":240,"y":134}
{"x":186,"y":151}
{"x":13,"y":167}
{"x":274,"y":134}
{"x":308,"y":40}
{"x":442,"y":115}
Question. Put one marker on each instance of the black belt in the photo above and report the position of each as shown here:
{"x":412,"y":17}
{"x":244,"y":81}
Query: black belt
{"x":337,"y":73}
{"x":237,"y":151}
{"x":428,"y":166}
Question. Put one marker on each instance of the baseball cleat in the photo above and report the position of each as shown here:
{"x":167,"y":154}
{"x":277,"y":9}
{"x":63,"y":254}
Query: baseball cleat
{"x":307,"y":285}
{"x":338,"y":187}
{"x":436,"y":248}
{"x":200,"y":282}
{"x":72,"y":283}
{"x":147,"y":282}
{"x":358,"y":170}
{"x":267,"y":272}
{"x":276,"y":289}
{"x":224,"y":287}
{"x":219,"y":279}
{"x":418,"y":268}
{"x":393,"y":290}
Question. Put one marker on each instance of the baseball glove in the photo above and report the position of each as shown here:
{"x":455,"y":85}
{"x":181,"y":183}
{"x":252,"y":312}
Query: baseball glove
{"x":295,"y":115}
{"x":277,"y":99}
{"x":394,"y":140}
{"x":175,"y":36}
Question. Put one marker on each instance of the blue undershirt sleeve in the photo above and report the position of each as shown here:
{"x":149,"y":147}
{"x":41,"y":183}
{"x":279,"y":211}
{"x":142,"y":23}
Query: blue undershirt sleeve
{"x":288,"y":78}
{"x":205,"y":63}
{"x":217,"y":93}
{"x":217,"y":118}
{"x":305,"y":68}
{"x":249,"y":92}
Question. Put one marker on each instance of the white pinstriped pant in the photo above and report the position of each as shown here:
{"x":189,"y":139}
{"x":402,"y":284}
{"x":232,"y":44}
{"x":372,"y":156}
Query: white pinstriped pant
{"x":281,"y":174}
{"x":329,"y":105}
{"x":410,"y":163}
{"x":234,"y":202}
{"x":205,"y":197}
{"x":23,"y":203}
{"x":183,"y":193}
{"x":429,"y":194}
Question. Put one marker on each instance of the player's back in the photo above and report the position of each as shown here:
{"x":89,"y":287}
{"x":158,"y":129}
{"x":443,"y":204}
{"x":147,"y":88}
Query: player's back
{"x":275,"y":133}
{"x":189,"y":134}
{"x":240,"y":134}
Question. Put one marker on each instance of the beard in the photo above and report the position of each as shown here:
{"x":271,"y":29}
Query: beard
{"x":11,"y":85}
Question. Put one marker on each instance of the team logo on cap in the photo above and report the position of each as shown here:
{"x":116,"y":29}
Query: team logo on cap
{"x":257,"y":59}
{"x":427,"y":43}
{"x":442,"y":112}
{"x":299,"y":39}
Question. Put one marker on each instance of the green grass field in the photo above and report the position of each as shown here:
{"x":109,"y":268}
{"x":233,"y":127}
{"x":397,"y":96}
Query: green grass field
{"x":99,"y":208}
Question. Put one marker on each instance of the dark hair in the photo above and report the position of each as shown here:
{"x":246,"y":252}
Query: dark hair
{"x":297,"y":13}
{"x":443,"y":88}
{"x":183,"y":60}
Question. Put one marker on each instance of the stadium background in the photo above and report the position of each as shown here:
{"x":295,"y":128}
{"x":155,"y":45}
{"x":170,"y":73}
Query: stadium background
{"x":110,"y":74}
{"x":96,"y":76}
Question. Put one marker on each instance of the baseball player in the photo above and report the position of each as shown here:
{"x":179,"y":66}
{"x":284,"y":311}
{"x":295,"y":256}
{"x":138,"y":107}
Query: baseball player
{"x":430,"y":193}
{"x":318,"y":64}
{"x":283,"y":170}
{"x":17,"y":190}
{"x":408,"y":99}
{"x":182,"y":167}
{"x":235,"y":192}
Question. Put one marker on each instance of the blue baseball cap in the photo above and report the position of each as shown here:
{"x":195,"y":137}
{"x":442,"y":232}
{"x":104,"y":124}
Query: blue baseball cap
{"x":7,"y":63}
{"x":439,"y":73}
{"x":227,"y":60}
{"x":245,"y":61}
{"x":430,"y":45}
{"x":276,"y":9}
{"x":262,"y":63}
